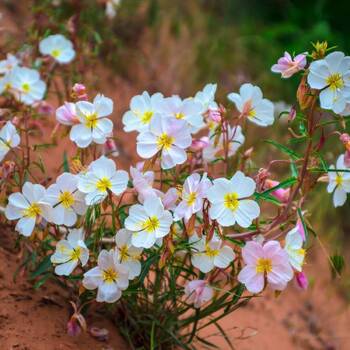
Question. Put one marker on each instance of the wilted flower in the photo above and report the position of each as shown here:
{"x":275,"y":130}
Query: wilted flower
{"x":58,"y":47}
{"x":198,"y":292}
{"x":9,"y":138}
{"x":288,"y":66}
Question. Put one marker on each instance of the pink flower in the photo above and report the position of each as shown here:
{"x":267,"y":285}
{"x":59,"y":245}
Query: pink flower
{"x":66,"y":114}
{"x":198,"y":292}
{"x":109,"y":147}
{"x":169,"y":198}
{"x":281,"y":194}
{"x":288,"y":66}
{"x":200,"y":144}
{"x":79,"y":92}
{"x":268,"y":261}
{"x":302,"y":280}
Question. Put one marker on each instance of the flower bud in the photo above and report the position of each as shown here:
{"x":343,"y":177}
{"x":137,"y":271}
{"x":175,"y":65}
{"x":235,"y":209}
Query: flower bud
{"x":79,"y":92}
{"x":110,"y":147}
{"x":301,"y":280}
{"x":281,"y":194}
{"x":292,"y":114}
{"x":200,"y":144}
{"x":66,"y":114}
{"x":304,"y":94}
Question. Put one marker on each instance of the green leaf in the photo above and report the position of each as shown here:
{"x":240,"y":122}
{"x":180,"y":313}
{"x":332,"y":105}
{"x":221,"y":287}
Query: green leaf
{"x":65,"y":162}
{"x":284,"y":149}
{"x":43,"y":267}
{"x":286,"y":183}
{"x":337,"y":263}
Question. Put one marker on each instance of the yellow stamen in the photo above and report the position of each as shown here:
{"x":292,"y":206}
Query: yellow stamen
{"x":151,"y":224}
{"x":109,"y":275}
{"x":146,"y":117}
{"x":179,"y":116}
{"x":124,"y":253}
{"x":335,"y":81}
{"x":165,"y":141}
{"x":66,"y":199}
{"x":301,"y":252}
{"x":91,"y":120}
{"x":231,"y":201}
{"x":55,"y":53}
{"x":339,"y":179}
{"x":252,"y":113}
{"x":75,"y":254}
{"x":103,"y":184}
{"x":264,"y":265}
{"x":32,"y":211}
{"x":25,"y":87}
{"x":211,"y":252}
{"x":191,"y":198}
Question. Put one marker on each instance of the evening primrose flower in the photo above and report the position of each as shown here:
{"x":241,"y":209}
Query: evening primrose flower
{"x":339,"y":182}
{"x":168,"y":136}
{"x":66,"y":201}
{"x":228,"y":203}
{"x":143,"y":108}
{"x":332,"y":76}
{"x":251,"y":104}
{"x":93,"y":125}
{"x":100,"y":178}
{"x":265,"y":262}
{"x":109,"y":277}
{"x":207,"y":255}
{"x":198,"y":292}
{"x":66,"y":114}
{"x":294,"y":248}
{"x":188,"y":110}
{"x":288,"y":66}
{"x":8,"y":64}
{"x":58,"y":47}
{"x":206,"y":97}
{"x":148,"y":222}
{"x":70,"y":252}
{"x":28,"y":207}
{"x":9,"y":138}
{"x":27,"y":85}
{"x":128,"y":255}
{"x":193,"y":193}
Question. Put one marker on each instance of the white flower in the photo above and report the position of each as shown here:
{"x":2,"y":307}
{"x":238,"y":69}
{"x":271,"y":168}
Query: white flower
{"x":111,"y":8}
{"x":143,"y":108}
{"x":7,"y":65}
{"x":207,"y":255}
{"x":215,"y":148}
{"x":66,"y":200}
{"x":228,"y":203}
{"x":189,"y":110}
{"x":170,"y":137}
{"x":94,"y":126}
{"x":193,"y":193}
{"x":294,"y":248}
{"x":332,"y":76}
{"x":100,"y":178}
{"x":339,"y":182}
{"x":6,"y":83}
{"x":27,"y":206}
{"x":26,"y":85}
{"x":58,"y":47}
{"x":128,"y":255}
{"x":69,"y":252}
{"x":108,"y":276}
{"x":206,"y":97}
{"x":251,"y":104}
{"x":148,"y":222}
{"x":9,"y":138}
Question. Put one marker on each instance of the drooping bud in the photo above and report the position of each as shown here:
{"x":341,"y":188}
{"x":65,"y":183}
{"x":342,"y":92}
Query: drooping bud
{"x":301,"y":280}
{"x":304,"y":94}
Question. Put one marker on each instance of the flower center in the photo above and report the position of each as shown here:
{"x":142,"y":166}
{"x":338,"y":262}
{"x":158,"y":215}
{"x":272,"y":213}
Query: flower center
{"x":109,"y":275}
{"x":179,"y":116}
{"x":252,"y":113}
{"x":191,"y":198}
{"x":124,"y":253}
{"x":338,"y":180}
{"x":32,"y":211}
{"x":151,"y":224}
{"x":75,"y":255}
{"x":335,"y":81}
{"x":91,"y":121}
{"x":66,"y":199}
{"x":103,"y":184}
{"x":211,"y":253}
{"x":25,"y":87}
{"x":146,"y":117}
{"x":301,"y":252}
{"x":7,"y":86}
{"x":55,"y":53}
{"x":165,"y":141}
{"x":231,"y":201}
{"x":264,"y":265}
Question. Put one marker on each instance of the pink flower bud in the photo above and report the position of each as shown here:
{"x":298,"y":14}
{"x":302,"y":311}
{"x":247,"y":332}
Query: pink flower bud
{"x":301,"y":230}
{"x":200,"y":144}
{"x":292,"y":114}
{"x":301,"y":280}
{"x":73,"y":327}
{"x":347,"y":158}
{"x":345,"y":138}
{"x":79,"y":92}
{"x":281,"y":194}
{"x":66,"y":114}
{"x":110,"y":147}
{"x":214,"y":115}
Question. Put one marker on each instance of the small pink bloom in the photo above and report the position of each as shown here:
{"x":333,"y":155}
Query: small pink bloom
{"x":214,"y":115}
{"x":301,"y":280}
{"x":44,"y":108}
{"x":265,"y":261}
{"x":169,"y":198}
{"x":198,"y":292}
{"x":288,"y":66}
{"x":200,"y":144}
{"x":301,"y":230}
{"x":66,"y":114}
{"x":109,"y":147}
{"x":79,"y":91}
{"x":281,"y":194}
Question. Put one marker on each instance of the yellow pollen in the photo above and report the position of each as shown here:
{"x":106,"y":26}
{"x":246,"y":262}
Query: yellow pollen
{"x":151,"y":224}
{"x":338,"y":179}
{"x":124,"y":253}
{"x":165,"y":141}
{"x":264,"y":265}
{"x":191,"y":198}
{"x":252,"y":113}
{"x":66,"y":199}
{"x":75,"y":254}
{"x":231,"y":201}
{"x":211,"y":252}
{"x":146,"y":117}
{"x":103,"y":184}
{"x":109,"y":275}
{"x":25,"y":87}
{"x":91,"y":120}
{"x":55,"y":53}
{"x":179,"y":116}
{"x":335,"y":81}
{"x":301,"y":252}
{"x":7,"y":86}
{"x":32,"y":211}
